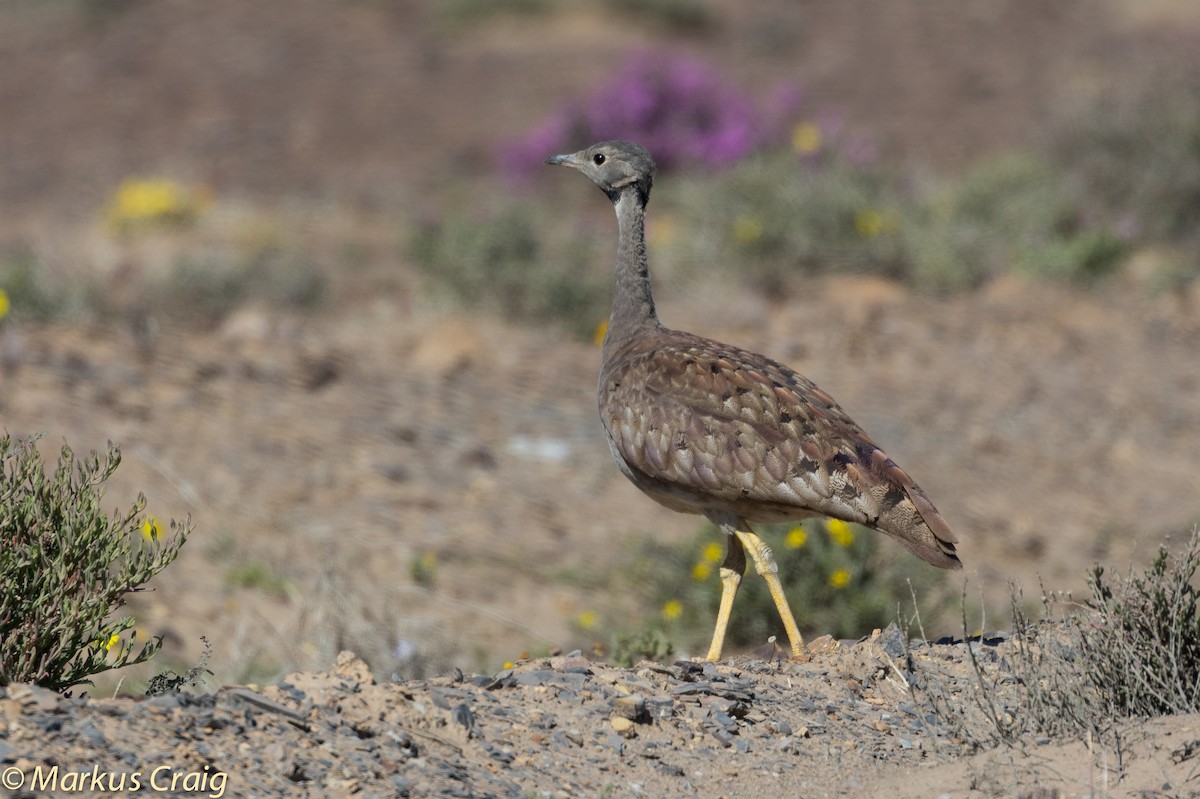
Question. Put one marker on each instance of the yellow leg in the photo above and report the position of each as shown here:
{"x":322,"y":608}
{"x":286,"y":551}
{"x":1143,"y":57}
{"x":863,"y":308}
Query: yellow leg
{"x":764,"y":564}
{"x":731,"y":577}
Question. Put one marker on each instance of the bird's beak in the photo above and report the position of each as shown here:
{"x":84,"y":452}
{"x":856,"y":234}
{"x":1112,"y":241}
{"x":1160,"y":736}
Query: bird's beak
{"x":564,"y":160}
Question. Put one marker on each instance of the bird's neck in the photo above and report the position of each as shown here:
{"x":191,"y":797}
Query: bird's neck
{"x":633,"y":304}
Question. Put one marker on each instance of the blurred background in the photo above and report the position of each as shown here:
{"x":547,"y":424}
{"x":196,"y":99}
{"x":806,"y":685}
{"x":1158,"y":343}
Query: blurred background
{"x":301,"y":261}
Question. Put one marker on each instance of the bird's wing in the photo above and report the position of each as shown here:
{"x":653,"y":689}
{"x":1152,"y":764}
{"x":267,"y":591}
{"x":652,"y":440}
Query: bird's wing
{"x":725,"y":422}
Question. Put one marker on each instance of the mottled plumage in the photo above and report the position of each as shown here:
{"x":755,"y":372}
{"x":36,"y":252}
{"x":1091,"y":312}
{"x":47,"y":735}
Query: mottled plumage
{"x":708,"y":428}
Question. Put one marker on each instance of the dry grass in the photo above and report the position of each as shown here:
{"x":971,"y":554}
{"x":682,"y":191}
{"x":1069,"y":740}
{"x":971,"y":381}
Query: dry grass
{"x":1132,"y":650}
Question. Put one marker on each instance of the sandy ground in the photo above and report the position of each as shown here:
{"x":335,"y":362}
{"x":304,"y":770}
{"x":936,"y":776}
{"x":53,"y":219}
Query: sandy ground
{"x":330,"y":450}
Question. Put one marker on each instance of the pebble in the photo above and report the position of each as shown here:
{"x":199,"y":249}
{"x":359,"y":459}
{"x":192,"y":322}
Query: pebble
{"x":661,"y":706}
{"x":632,"y":707}
{"x":623,"y":726}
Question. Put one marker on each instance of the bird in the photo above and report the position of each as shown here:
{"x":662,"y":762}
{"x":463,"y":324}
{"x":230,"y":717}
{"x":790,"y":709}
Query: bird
{"x":708,"y":428}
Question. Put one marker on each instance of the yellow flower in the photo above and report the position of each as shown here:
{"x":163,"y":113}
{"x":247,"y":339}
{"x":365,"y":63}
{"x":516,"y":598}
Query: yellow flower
{"x":839,"y":579}
{"x":600,"y":331}
{"x":147,"y":199}
{"x":714,"y":552}
{"x":796,"y":538}
{"x":806,"y":138}
{"x":151,"y":529}
{"x":841,"y":533}
{"x":672,"y":609}
{"x":4,"y":303}
{"x":662,"y":232}
{"x":111,"y":642}
{"x":701,"y":571}
{"x":747,"y":229}
{"x":139,"y":201}
{"x":587,"y":619}
{"x":868,"y":223}
{"x":508,"y":664}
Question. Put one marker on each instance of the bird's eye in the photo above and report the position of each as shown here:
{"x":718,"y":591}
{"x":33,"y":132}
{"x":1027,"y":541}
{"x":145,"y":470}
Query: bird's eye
{"x":598,"y":159}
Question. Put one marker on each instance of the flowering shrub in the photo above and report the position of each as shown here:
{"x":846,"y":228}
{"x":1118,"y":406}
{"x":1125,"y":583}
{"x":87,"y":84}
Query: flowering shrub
{"x":65,"y":568}
{"x":837,"y":580}
{"x":679,"y":108}
{"x":141,"y":202}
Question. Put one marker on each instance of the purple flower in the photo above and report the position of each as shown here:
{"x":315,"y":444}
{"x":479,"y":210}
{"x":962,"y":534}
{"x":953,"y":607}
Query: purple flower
{"x":679,"y":108}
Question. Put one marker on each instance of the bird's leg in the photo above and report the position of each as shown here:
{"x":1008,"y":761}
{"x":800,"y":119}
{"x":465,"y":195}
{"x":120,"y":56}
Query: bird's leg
{"x":764,"y":563}
{"x":732,"y":570}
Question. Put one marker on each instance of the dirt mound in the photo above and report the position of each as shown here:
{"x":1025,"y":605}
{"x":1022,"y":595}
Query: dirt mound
{"x":844,"y":723}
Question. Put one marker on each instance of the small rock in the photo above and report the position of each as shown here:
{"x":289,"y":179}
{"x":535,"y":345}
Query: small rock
{"x":623,"y":726}
{"x":573,"y":663}
{"x":94,"y":737}
{"x":823,"y":645}
{"x":723,"y":735}
{"x":661,"y":706}
{"x":463,"y":716}
{"x":349,"y":667}
{"x":503,"y":755}
{"x":891,"y":641}
{"x":632,"y":707}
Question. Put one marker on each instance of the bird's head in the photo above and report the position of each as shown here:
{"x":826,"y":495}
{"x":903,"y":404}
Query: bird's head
{"x":613,"y":166}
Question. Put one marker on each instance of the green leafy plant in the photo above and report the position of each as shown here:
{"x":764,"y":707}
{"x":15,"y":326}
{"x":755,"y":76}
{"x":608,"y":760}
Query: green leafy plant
{"x":28,"y":292}
{"x":1014,"y":213}
{"x":500,"y":263}
{"x":837,"y":581}
{"x":787,"y":216}
{"x":66,"y":567}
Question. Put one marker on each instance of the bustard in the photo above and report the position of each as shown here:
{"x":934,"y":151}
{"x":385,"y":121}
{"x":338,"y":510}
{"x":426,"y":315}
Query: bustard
{"x":708,"y":428}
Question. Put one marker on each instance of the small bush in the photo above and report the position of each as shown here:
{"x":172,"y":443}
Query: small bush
{"x":202,"y":290}
{"x":1131,"y":651}
{"x":787,"y":215}
{"x":457,"y":15}
{"x":28,"y":292}
{"x":1136,"y":157}
{"x":833,"y":574}
{"x":1140,"y":642}
{"x":501,"y":264}
{"x":1015,"y":213}
{"x":690,"y":16}
{"x":66,"y":567}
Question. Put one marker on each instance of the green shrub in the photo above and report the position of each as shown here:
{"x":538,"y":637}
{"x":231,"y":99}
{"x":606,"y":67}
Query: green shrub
{"x":690,"y":16}
{"x":501,"y":264}
{"x":66,"y":567}
{"x":1014,"y":213}
{"x":837,"y":580}
{"x":202,"y":290}
{"x":29,"y":295}
{"x":776,"y":218}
